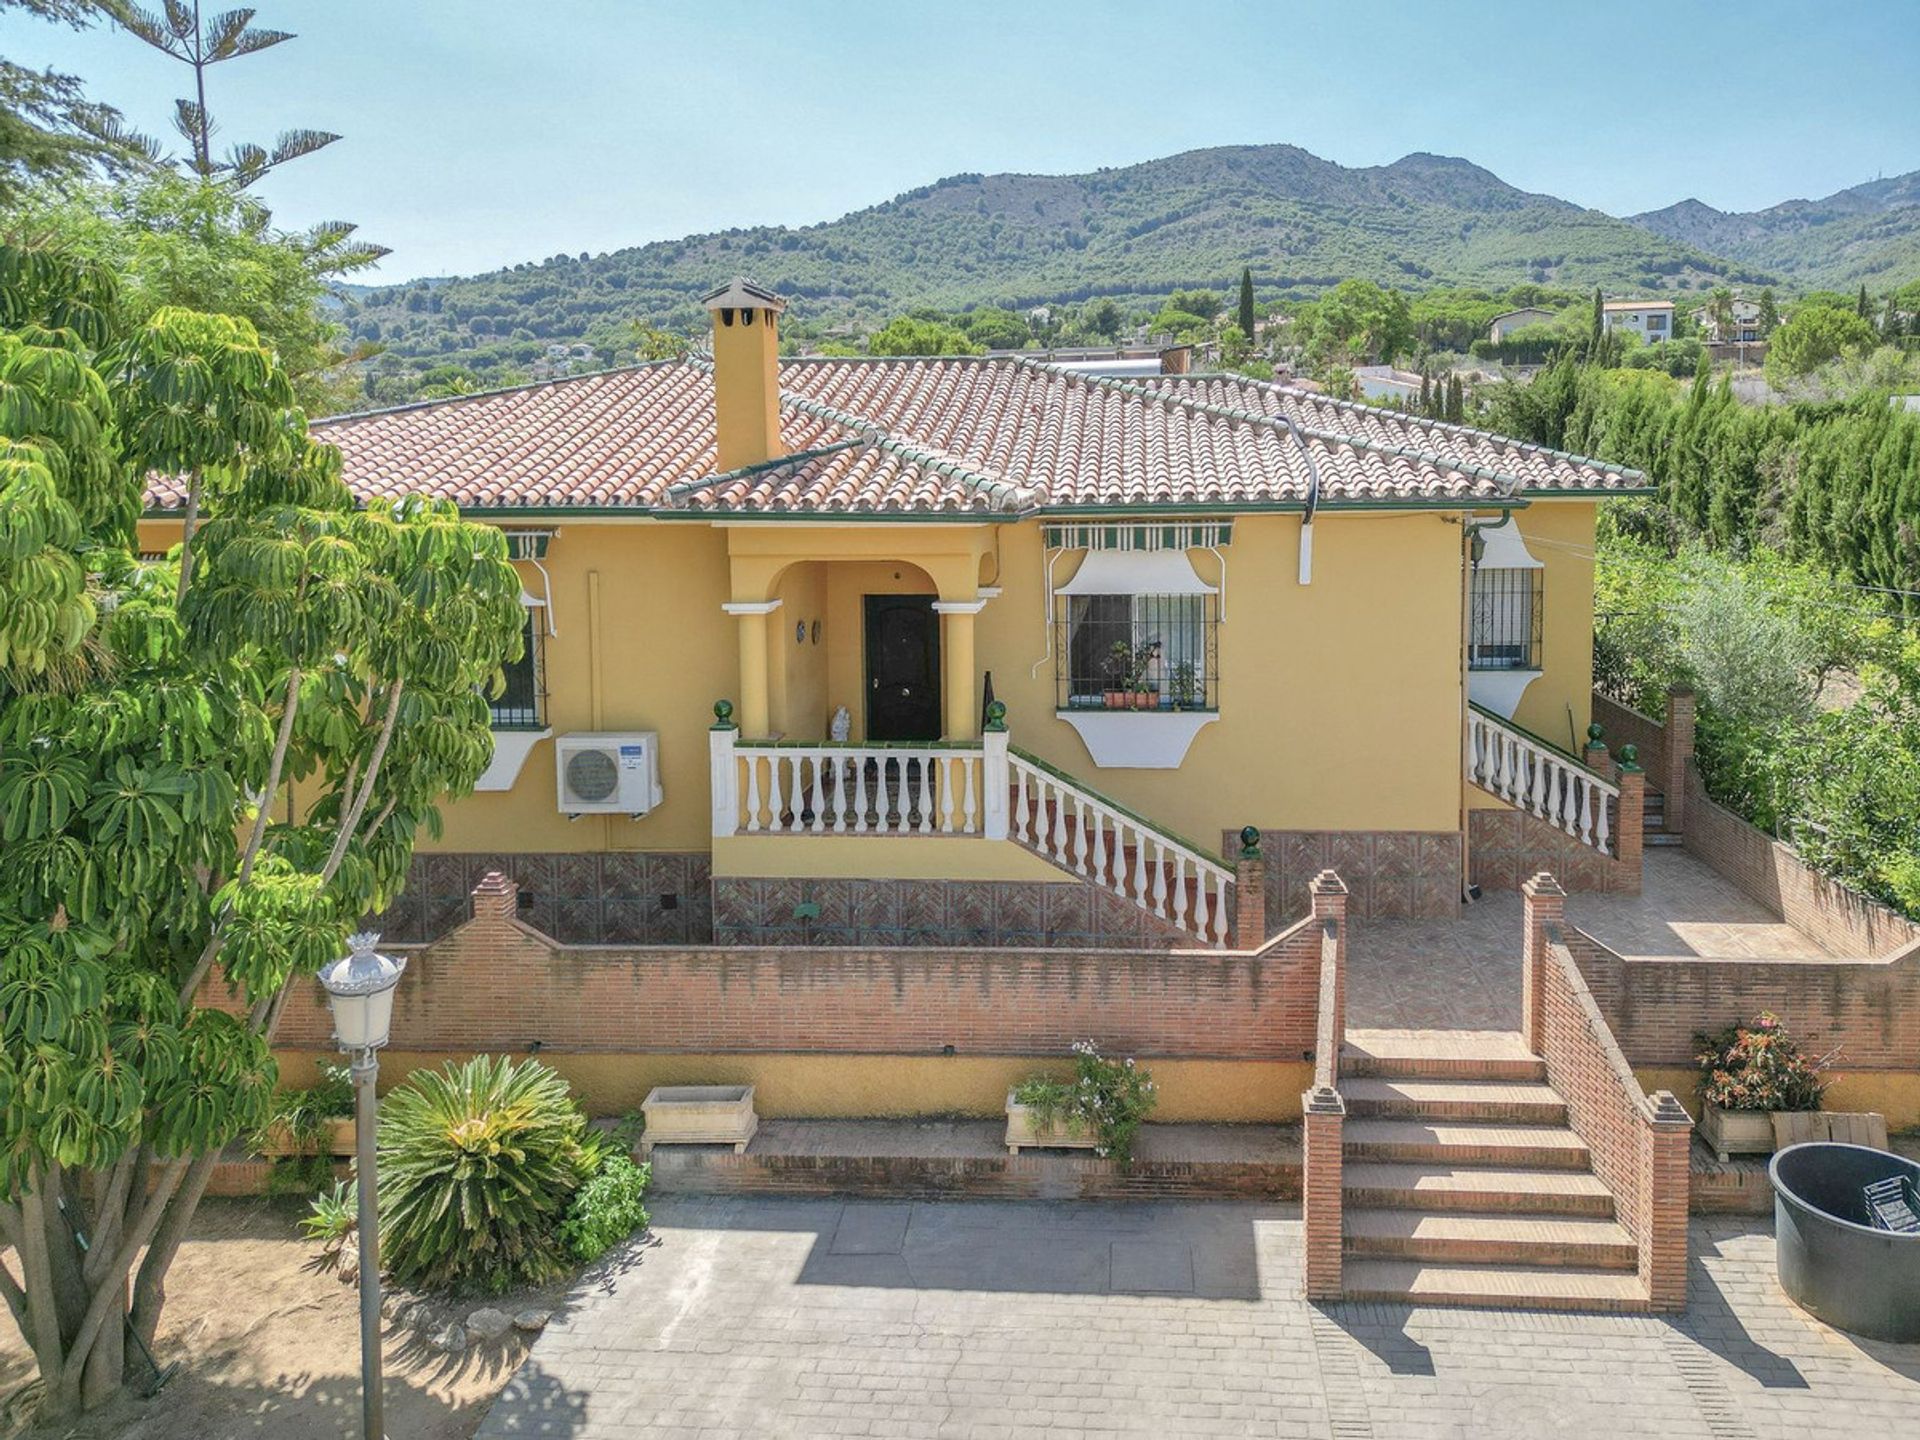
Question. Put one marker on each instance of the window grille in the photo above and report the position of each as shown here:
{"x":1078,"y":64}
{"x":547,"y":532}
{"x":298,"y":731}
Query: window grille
{"x":1506,"y":619}
{"x":522,"y":705}
{"x":1158,"y":651}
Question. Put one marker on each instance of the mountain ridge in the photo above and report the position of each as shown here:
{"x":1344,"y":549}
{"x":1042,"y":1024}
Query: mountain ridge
{"x":1135,"y":232}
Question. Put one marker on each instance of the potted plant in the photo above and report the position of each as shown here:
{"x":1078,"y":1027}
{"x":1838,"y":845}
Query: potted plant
{"x":1185,"y":682}
{"x":1119,"y":666}
{"x":1101,"y":1109}
{"x":315,"y":1120}
{"x":1747,"y":1074}
{"x":1146,"y":695}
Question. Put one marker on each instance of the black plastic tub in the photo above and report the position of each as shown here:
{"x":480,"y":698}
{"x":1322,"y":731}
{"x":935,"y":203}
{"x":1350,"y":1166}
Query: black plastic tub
{"x":1832,"y":1260}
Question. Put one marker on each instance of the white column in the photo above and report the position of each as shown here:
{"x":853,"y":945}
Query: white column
{"x":725,"y":777}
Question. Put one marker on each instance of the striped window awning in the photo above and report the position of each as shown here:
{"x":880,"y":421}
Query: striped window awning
{"x":1141,"y":535}
{"x":528,"y":544}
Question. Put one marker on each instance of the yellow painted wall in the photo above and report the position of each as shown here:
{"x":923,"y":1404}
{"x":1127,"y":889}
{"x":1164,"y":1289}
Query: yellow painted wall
{"x":665,"y":653}
{"x":796,"y":660}
{"x":857,"y":1086}
{"x":1560,"y":534}
{"x":1339,"y":699}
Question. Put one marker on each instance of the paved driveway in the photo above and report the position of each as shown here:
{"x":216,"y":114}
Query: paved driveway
{"x":792,"y":1317}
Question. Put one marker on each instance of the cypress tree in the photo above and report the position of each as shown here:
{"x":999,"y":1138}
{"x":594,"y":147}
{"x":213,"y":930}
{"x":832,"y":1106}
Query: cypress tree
{"x":1456,"y":400}
{"x":1426,"y":394}
{"x":1246,"y":302}
{"x":1864,"y":307}
{"x":1769,"y":312}
{"x":1597,"y":330}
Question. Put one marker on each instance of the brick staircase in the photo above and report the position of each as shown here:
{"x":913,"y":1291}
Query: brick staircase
{"x":1462,"y":1183}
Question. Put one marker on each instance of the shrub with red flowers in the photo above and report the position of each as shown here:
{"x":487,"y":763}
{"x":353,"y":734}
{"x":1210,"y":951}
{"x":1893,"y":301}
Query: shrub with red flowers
{"x":1758,"y":1067}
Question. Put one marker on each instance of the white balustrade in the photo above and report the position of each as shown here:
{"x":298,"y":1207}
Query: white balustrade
{"x":1533,"y":777}
{"x":781,"y":789}
{"x":1081,"y":832}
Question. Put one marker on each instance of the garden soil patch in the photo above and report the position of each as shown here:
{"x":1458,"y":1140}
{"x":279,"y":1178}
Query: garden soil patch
{"x":269,"y":1345}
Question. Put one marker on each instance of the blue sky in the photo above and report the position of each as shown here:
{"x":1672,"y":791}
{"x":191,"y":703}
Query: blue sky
{"x":481,"y":133}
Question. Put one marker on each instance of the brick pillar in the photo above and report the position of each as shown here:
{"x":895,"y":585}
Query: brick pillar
{"x":1595,"y":750}
{"x":1250,"y":892}
{"x":1679,"y":751}
{"x":496,"y":898}
{"x":1329,"y":894}
{"x":1323,"y":1121}
{"x":1663,"y":1248}
{"x":1544,"y":903}
{"x":1630,"y":826}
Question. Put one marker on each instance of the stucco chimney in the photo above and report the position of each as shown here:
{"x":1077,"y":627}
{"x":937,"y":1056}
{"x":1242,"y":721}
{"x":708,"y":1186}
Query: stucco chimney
{"x":746,"y":373}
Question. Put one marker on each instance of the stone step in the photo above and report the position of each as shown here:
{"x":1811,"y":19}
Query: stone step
{"x":1485,"y":1190}
{"x":1440,"y":1055}
{"x":1502,"y":1287}
{"x":1465,"y":1142}
{"x":1526,"y":1101}
{"x":1660,"y":837}
{"x":1468,"y":1239}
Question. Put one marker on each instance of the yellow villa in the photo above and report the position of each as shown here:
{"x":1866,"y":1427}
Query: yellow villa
{"x":983,"y":650}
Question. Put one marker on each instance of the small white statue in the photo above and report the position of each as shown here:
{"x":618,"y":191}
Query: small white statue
{"x":841,"y":730}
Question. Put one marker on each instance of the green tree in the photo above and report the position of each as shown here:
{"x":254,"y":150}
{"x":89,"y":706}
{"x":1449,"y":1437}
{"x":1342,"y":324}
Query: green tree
{"x":908,"y":335}
{"x":178,"y":242}
{"x":1246,"y":302}
{"x":1720,"y":312}
{"x":1863,"y":307}
{"x":1597,"y":326}
{"x":49,"y":129}
{"x":1456,"y":400}
{"x":153,"y":911}
{"x":1769,"y":313}
{"x":179,"y":32}
{"x":998,"y":329}
{"x":1358,"y":323}
{"x":652,"y":343}
{"x":1813,"y":336}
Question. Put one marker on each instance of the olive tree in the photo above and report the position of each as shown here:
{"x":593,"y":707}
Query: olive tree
{"x":211,"y":764}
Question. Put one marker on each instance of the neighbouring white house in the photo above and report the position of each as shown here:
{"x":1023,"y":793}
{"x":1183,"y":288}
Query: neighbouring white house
{"x":1651,"y":320}
{"x":1501,"y":326}
{"x":1745,"y":328}
{"x":1384,"y":382}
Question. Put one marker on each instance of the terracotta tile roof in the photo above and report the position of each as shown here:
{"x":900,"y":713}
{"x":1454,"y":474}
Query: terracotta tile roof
{"x":954,"y":435}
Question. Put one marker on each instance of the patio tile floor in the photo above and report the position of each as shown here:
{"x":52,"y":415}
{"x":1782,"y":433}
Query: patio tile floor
{"x":1463,"y":973}
{"x":736,"y":1317}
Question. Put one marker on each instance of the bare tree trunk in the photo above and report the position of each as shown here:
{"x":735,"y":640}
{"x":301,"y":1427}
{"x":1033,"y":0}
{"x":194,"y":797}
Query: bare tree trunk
{"x":192,"y":518}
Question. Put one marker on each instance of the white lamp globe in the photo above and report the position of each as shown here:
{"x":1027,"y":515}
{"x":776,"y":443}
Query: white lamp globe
{"x":360,"y":990}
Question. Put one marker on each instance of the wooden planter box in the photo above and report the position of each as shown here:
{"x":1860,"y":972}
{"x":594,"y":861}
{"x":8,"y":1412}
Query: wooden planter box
{"x":1024,"y":1131}
{"x":699,"y":1115}
{"x":336,"y":1139}
{"x":1736,"y":1132}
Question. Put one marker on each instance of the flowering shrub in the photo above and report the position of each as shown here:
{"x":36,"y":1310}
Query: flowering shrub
{"x":1107,"y":1096}
{"x":1757,"y":1067}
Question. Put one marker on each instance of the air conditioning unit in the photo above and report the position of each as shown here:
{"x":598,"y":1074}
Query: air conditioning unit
{"x":610,"y":773}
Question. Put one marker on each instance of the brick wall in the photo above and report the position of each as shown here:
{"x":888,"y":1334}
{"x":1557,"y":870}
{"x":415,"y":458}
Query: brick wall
{"x":1638,"y":1143}
{"x":1867,"y":1009}
{"x":1622,"y":726}
{"x":1842,"y":920}
{"x":623,"y":897}
{"x":497,"y":984}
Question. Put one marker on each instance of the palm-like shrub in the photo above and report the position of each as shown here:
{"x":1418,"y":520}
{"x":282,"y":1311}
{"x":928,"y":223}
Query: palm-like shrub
{"x":478,"y":1168}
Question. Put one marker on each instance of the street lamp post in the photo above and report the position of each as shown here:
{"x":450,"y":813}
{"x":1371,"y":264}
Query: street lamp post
{"x":360,"y":990}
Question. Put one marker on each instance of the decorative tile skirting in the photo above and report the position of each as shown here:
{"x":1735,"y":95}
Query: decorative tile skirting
{"x":1390,"y":874}
{"x":584,"y":898}
{"x":1508,"y":847}
{"x":922,"y":913}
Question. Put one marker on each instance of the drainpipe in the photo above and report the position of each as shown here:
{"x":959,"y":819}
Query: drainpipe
{"x":1313,"y":499}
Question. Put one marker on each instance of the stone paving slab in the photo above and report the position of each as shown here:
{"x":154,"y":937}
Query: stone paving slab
{"x":734,"y":1318}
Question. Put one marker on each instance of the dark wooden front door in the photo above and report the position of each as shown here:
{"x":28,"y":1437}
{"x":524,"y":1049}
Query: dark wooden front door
{"x":903,"y":668}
